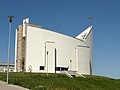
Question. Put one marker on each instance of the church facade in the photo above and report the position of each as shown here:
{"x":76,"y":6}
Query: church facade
{"x":41,"y":50}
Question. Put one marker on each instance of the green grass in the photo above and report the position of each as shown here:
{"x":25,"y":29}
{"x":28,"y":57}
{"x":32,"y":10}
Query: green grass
{"x":37,"y":81}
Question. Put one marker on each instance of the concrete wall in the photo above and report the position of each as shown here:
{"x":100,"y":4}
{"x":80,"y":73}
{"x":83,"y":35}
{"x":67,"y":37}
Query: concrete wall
{"x":40,"y":51}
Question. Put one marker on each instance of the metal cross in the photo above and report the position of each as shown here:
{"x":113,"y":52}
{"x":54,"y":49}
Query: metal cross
{"x":90,"y":20}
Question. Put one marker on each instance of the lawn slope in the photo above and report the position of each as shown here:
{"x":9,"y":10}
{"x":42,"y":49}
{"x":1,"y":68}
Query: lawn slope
{"x":37,"y":81}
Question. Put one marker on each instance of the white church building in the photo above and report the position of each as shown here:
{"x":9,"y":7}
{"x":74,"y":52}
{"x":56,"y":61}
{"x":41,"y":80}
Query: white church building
{"x":41,"y":50}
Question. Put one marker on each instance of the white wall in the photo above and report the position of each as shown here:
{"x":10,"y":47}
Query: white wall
{"x":83,"y":60}
{"x":89,"y":42}
{"x":15,"y":49}
{"x":38,"y":38}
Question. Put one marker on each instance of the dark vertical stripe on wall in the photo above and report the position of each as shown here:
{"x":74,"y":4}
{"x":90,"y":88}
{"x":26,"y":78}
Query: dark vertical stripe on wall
{"x":55,"y":59}
{"x":90,"y":68}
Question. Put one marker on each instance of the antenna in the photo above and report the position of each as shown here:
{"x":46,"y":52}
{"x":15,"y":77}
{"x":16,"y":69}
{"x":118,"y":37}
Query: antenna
{"x":90,"y":20}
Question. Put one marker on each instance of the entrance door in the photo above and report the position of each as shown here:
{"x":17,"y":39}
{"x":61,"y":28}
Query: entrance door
{"x":83,"y":59}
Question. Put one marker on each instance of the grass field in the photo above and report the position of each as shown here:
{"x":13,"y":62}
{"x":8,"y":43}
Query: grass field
{"x":37,"y":81}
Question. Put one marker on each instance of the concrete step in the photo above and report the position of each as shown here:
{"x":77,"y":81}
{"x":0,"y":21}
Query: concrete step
{"x":71,"y":74}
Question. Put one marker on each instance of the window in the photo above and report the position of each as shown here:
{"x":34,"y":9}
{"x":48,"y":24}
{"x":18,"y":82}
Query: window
{"x":41,"y":67}
{"x":61,"y":69}
{"x":64,"y":69}
{"x":57,"y":68}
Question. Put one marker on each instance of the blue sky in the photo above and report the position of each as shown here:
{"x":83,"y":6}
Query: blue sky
{"x":69,"y":17}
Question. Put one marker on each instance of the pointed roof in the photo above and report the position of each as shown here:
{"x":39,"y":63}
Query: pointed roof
{"x":84,"y":34}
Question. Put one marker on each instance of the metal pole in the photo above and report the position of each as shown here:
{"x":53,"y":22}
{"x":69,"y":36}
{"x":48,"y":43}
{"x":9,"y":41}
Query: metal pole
{"x":10,"y":28}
